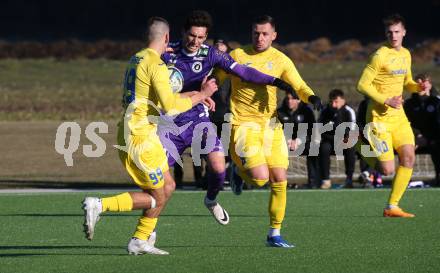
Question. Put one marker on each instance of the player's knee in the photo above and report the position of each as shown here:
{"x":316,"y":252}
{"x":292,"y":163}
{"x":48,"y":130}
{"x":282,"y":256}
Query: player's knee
{"x":279,"y":177}
{"x":408,"y":161}
{"x":218,"y":167}
{"x":217,"y":162}
{"x":258,"y":182}
{"x":387,"y":170}
{"x":169,"y":188}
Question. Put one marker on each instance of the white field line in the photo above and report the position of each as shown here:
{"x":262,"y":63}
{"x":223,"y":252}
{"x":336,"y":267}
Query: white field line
{"x":227,"y":190}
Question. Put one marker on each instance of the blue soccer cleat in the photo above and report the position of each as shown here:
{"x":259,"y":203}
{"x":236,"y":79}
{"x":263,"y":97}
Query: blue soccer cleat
{"x":278,"y":241}
{"x":235,"y":181}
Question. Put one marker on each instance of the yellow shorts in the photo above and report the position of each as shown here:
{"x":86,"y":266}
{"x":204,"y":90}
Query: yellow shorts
{"x":253,"y":146}
{"x":388,"y":134}
{"x":144,"y":159}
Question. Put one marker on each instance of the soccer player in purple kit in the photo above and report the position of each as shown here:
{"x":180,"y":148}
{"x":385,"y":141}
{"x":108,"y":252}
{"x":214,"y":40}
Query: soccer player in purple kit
{"x":189,"y":62}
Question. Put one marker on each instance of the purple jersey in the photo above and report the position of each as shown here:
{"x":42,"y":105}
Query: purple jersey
{"x":188,"y":70}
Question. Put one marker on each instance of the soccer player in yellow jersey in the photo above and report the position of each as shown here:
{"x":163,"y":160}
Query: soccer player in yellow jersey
{"x":146,"y":92}
{"x":383,"y":80}
{"x":257,"y":145}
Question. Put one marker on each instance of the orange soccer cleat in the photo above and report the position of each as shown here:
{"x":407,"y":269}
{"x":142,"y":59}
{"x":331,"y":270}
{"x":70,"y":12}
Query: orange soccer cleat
{"x":396,"y":212}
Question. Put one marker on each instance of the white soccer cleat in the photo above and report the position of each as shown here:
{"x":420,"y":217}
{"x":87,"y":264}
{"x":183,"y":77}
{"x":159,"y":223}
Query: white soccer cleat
{"x":152,"y":239}
{"x":139,"y":247}
{"x":219,"y":213}
{"x":326,"y":184}
{"x":92,"y":209}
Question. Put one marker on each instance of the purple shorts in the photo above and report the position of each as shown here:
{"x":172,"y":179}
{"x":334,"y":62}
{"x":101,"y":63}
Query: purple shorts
{"x":200,"y":135}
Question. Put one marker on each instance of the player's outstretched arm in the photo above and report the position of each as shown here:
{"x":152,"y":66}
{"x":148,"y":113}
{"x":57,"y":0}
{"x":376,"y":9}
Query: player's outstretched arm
{"x":176,"y":103}
{"x":284,"y":86}
{"x":252,"y":75}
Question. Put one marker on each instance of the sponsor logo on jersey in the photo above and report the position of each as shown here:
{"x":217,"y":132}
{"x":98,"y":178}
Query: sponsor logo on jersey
{"x":196,"y":67}
{"x":222,"y":55}
{"x":203,"y":52}
{"x":176,"y":79}
{"x":398,"y":72}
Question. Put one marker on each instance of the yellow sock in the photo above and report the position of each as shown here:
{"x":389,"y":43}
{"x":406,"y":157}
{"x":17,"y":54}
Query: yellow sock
{"x":254,"y":182}
{"x":145,"y":227}
{"x":277,"y":203}
{"x":371,"y":161}
{"x":400,"y":183}
{"x":121,"y":202}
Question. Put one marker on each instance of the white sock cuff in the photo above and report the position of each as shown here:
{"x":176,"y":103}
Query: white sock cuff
{"x":274,"y":232}
{"x":153,"y":202}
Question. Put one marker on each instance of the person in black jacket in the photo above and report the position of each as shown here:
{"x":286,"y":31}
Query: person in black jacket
{"x":369,"y":175}
{"x":336,"y":112}
{"x":295,"y":112}
{"x":424,"y":114}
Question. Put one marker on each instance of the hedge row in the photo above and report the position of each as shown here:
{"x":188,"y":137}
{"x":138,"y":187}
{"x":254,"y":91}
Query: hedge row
{"x":319,"y":50}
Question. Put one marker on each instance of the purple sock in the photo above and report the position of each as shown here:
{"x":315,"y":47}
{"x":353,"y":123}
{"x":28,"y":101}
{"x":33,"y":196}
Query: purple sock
{"x":215,"y":183}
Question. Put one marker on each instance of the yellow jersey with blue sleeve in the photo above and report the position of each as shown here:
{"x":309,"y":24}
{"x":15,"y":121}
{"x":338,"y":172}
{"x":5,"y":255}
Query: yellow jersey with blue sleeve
{"x":258,"y":103}
{"x":386,"y":75}
{"x":147,"y":88}
{"x":146,"y":92}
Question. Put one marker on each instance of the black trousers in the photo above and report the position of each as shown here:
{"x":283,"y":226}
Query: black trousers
{"x":435,"y":156}
{"x":326,"y":149}
{"x":313,"y":176}
{"x":363,"y":166}
{"x":427,"y":146}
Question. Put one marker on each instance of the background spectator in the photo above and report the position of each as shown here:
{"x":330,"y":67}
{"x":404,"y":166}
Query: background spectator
{"x":424,"y":114}
{"x":294,"y":111}
{"x":336,"y":112}
{"x":369,"y":175}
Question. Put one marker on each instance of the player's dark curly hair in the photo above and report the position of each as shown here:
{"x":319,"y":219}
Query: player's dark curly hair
{"x":264,"y":19}
{"x":394,"y":19}
{"x":198,"y":18}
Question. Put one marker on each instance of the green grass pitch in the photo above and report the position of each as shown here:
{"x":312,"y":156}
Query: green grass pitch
{"x":334,"y":231}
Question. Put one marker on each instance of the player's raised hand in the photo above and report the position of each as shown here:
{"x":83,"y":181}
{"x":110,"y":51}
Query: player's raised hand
{"x":285,"y":86}
{"x":394,"y":102}
{"x":209,"y":86}
{"x":210,"y":103}
{"x":316,"y":102}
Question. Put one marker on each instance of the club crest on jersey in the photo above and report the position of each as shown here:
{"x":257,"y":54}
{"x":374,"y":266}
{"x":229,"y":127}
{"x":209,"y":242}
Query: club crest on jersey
{"x":196,"y":67}
{"x":270,"y":65}
{"x":176,"y":79}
